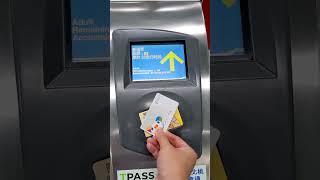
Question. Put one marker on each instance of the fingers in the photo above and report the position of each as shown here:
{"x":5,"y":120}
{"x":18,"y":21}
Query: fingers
{"x":153,"y":150}
{"x":162,"y":138}
{"x":176,"y":141}
{"x":154,"y":142}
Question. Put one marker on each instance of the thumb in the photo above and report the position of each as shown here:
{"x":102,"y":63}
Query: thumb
{"x":162,"y":138}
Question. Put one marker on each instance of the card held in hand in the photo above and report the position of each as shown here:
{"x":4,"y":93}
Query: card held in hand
{"x":176,"y":121}
{"x":159,"y":114}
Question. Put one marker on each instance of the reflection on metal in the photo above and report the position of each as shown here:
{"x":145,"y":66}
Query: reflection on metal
{"x":187,"y":18}
{"x":127,"y":10}
{"x":173,"y":8}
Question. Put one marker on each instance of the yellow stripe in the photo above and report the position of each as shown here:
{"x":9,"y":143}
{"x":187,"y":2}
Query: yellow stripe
{"x":177,"y":115}
{"x":217,"y":170}
{"x":172,"y":64}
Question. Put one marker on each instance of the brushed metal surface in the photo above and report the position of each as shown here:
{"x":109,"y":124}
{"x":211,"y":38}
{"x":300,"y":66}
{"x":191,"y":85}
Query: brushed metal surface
{"x":182,"y":17}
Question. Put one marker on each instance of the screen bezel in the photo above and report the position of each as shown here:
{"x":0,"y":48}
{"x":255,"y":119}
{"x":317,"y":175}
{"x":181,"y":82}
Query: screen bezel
{"x":174,"y":42}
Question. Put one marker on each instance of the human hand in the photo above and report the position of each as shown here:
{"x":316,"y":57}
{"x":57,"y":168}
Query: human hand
{"x":175,"y":158}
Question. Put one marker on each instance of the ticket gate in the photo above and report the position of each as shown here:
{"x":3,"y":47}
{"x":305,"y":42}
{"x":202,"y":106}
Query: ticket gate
{"x":58,"y":125}
{"x":251,"y":88}
{"x":144,"y":30}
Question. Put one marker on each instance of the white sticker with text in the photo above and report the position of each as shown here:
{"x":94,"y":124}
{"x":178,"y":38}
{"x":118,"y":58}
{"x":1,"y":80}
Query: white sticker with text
{"x":199,"y":173}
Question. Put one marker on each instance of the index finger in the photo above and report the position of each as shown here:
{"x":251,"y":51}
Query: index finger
{"x":176,"y":141}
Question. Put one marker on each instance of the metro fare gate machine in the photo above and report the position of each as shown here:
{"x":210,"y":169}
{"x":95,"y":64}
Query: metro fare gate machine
{"x":157,"y":47}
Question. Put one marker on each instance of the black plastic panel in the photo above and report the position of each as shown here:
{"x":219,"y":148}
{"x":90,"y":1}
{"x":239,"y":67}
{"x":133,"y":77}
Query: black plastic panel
{"x":10,"y":144}
{"x":63,"y":130}
{"x":59,"y":71}
{"x":261,"y":61}
{"x":251,"y":102}
{"x":305,"y":33}
{"x":243,"y":70}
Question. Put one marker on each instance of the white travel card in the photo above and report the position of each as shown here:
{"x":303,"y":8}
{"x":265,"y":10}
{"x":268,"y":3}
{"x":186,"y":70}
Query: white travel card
{"x":160,"y":114}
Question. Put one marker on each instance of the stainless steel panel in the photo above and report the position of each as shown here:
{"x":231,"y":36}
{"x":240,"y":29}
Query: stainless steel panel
{"x":182,"y":17}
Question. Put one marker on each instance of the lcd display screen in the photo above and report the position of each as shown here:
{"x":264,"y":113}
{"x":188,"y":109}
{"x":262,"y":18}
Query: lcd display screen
{"x":90,"y":24}
{"x":158,"y":61}
{"x":226,"y":28}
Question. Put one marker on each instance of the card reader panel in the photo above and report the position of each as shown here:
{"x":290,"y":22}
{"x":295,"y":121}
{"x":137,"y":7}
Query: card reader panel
{"x":134,"y":96}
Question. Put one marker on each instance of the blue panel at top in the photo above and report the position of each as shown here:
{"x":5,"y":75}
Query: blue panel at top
{"x":90,"y":30}
{"x":226,"y":28}
{"x":152,"y":62}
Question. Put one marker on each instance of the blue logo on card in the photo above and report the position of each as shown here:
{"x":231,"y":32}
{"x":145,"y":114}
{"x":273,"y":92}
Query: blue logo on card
{"x":158,"y":119}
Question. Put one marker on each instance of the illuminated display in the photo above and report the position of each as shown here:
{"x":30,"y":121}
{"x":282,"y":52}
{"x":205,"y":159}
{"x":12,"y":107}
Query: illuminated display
{"x":90,"y":30}
{"x":153,"y":62}
{"x":226,"y":28}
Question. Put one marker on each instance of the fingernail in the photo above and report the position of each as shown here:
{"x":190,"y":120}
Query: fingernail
{"x":159,"y":130}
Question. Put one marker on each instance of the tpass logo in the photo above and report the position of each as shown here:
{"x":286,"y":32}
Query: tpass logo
{"x":199,"y":173}
{"x":123,"y":175}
